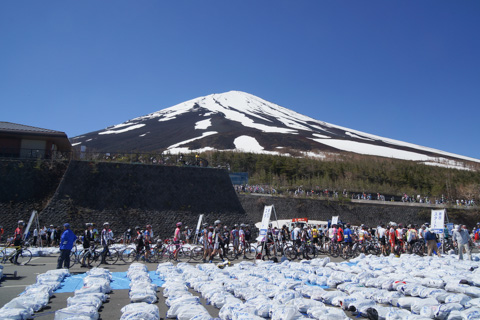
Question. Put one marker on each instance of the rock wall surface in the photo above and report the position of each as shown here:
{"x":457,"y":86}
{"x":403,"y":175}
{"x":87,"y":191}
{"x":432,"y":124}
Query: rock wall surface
{"x":354,"y":213}
{"x":127,"y":195}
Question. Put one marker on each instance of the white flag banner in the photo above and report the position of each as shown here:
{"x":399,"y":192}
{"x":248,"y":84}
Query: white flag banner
{"x":267,"y":212}
{"x":25,"y":234}
{"x":438,"y":221}
{"x":199,"y":223}
{"x":334,"y":220}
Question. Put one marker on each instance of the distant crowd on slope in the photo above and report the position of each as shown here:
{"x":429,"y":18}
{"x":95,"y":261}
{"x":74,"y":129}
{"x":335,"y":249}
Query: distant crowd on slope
{"x":326,"y":193}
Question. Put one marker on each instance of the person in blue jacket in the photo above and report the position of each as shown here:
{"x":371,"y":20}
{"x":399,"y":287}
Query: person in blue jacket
{"x":67,"y":240}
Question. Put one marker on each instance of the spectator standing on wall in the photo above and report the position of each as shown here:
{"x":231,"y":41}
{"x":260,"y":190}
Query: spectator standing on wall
{"x":67,"y":241}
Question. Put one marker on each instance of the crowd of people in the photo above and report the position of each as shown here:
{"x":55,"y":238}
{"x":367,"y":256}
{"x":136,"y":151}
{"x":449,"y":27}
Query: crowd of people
{"x":328,"y":193}
{"x":218,"y":239}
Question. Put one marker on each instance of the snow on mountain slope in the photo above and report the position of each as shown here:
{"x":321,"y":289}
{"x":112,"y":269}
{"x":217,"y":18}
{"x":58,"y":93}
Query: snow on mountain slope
{"x":240,"y":121}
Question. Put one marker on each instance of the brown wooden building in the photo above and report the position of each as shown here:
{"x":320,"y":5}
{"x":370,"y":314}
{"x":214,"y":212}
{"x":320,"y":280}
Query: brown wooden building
{"x":22,"y":141}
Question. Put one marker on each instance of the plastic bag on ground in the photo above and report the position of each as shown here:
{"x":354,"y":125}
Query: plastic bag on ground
{"x":145,"y":295}
{"x":285,"y":313}
{"x":470,"y":313}
{"x":187,"y":312}
{"x":100,"y":295}
{"x":419,"y":304}
{"x":85,"y":300}
{"x":327,"y":313}
{"x":140,"y":310}
{"x":15,"y":313}
{"x":35,"y":302}
{"x":76,"y":310}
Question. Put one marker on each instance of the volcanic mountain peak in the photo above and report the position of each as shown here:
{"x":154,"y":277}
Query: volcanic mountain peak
{"x":240,"y":121}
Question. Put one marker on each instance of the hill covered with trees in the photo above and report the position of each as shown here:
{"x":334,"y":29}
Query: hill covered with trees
{"x":353,"y":173}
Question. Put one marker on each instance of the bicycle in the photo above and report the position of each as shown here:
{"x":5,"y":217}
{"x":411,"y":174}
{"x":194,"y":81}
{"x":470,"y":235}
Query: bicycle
{"x":91,"y":256}
{"x":169,"y":251}
{"x":21,"y":255}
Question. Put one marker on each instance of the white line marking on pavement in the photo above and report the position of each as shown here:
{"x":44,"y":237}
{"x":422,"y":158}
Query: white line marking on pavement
{"x":18,"y":286}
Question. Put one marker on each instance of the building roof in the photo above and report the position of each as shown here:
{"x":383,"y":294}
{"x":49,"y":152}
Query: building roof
{"x":21,"y":128}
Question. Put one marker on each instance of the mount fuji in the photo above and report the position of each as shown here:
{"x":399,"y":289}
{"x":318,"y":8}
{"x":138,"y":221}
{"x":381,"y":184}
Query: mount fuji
{"x":238,"y":121}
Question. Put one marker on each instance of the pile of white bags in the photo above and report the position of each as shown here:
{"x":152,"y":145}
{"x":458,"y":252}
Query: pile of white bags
{"x":87,"y":300}
{"x":142,"y":294}
{"x":141,"y":287}
{"x":35,"y":297}
{"x":182,"y":304}
{"x":409,"y":287}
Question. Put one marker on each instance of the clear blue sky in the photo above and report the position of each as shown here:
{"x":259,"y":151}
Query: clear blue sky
{"x":406,"y":70}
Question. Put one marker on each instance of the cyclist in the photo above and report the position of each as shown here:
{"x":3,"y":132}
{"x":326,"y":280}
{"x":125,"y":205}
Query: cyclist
{"x":148,"y":238}
{"x":88,"y":239}
{"x":139,"y":239}
{"x":347,"y":234}
{"x":226,"y":239}
{"x":241,"y":236}
{"x":106,"y":238}
{"x":339,"y":234}
{"x":209,"y":243}
{"x":411,"y":236}
{"x":270,"y":240}
{"x":217,"y":240}
{"x":17,"y":241}
{"x":88,"y":236}
{"x":381,"y":234}
{"x":248,"y":233}
{"x":176,"y":239}
{"x":188,"y":234}
{"x":315,"y":235}
{"x":235,"y":237}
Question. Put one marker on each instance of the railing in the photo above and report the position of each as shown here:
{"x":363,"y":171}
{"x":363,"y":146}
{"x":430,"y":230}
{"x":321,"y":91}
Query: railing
{"x":125,"y":157}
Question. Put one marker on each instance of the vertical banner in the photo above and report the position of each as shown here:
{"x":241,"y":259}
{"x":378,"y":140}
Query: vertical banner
{"x":438,"y":221}
{"x":25,"y":233}
{"x":200,"y":218}
{"x":267,"y":212}
{"x":334,"y":220}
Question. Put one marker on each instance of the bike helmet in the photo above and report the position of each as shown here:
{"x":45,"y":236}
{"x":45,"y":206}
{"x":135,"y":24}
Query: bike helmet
{"x":242,"y":225}
{"x":88,"y":224}
{"x":269,"y":225}
{"x":149,"y":225}
{"x":106,"y":224}
{"x":179,"y":224}
{"x":21,"y":223}
{"x":211,"y":227}
{"x":217,"y":222}
{"x":205,"y":224}
{"x":137,"y":228}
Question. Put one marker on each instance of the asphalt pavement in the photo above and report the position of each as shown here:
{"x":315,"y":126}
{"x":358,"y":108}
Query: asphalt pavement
{"x":11,"y":286}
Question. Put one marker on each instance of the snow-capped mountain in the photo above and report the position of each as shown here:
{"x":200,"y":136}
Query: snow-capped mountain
{"x":240,"y":121}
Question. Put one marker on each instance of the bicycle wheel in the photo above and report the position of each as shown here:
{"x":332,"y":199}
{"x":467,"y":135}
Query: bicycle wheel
{"x":290,"y":252}
{"x":334,"y":250}
{"x":248,"y":251}
{"x":183,"y":255}
{"x":73,"y":258}
{"x":24,"y":257}
{"x":123,"y":255}
{"x":132,"y":256}
{"x":112,"y":256}
{"x":310,"y":252}
{"x":197,"y":253}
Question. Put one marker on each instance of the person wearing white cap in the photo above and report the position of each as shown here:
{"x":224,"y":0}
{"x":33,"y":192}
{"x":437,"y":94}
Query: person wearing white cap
{"x":460,"y":239}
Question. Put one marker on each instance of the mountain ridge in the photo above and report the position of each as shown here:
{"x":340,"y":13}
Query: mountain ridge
{"x":240,"y":121}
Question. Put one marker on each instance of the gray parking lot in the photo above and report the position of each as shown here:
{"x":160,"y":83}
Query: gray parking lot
{"x":11,"y":286}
